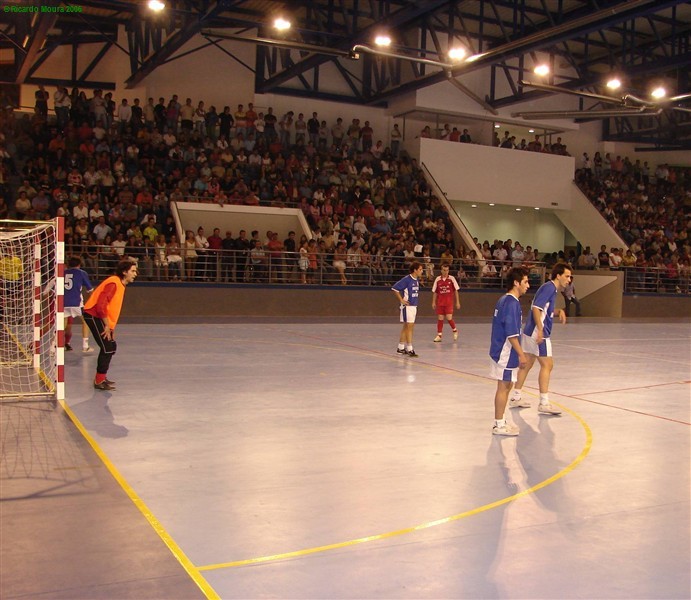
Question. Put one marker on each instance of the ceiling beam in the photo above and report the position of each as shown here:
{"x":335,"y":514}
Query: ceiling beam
{"x":37,"y":37}
{"x":172,"y":45}
{"x":397,"y":19}
{"x":539,"y":40}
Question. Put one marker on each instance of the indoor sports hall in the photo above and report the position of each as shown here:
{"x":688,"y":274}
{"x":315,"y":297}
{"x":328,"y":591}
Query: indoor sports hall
{"x":274,"y":170}
{"x":302,"y":458}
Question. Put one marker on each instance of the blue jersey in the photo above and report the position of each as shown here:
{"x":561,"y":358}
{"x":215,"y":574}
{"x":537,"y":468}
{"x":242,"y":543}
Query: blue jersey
{"x":545,"y":299}
{"x":409,"y":288}
{"x":506,"y":324}
{"x":75,"y":280}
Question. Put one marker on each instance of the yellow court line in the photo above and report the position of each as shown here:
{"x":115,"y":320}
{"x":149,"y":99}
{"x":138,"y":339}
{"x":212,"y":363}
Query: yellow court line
{"x":186,"y":563}
{"x":390,"y":534}
{"x":198,"y":578}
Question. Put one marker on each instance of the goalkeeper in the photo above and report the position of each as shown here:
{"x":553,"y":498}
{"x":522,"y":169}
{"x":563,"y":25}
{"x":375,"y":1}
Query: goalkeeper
{"x":101,"y":313}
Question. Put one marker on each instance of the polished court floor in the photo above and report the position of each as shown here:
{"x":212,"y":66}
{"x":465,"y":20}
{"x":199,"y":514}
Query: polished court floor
{"x":284,"y":459}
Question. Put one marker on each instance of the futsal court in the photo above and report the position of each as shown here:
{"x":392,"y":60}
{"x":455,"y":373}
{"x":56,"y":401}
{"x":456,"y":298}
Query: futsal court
{"x":304,"y":459}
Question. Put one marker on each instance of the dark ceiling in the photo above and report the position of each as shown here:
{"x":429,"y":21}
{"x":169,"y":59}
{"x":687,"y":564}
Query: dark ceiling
{"x":584,"y":41}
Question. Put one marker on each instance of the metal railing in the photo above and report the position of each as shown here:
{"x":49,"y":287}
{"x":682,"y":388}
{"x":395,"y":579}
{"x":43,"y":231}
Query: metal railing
{"x":281,"y":267}
{"x":656,"y":280}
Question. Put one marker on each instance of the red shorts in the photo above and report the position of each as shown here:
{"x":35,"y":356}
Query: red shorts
{"x":444,"y":308}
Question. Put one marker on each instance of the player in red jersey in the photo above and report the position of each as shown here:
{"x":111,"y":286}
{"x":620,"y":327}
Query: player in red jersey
{"x":444,"y":292}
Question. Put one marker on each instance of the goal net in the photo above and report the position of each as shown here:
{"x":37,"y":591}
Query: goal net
{"x":31,"y":323}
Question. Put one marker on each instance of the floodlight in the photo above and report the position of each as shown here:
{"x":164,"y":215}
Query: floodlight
{"x":658,"y":93}
{"x":281,"y":24}
{"x":457,"y":53}
{"x":614,"y":83}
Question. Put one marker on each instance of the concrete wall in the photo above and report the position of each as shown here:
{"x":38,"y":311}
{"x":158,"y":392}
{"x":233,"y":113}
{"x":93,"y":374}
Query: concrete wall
{"x":474,"y":173}
{"x":188,"y":301}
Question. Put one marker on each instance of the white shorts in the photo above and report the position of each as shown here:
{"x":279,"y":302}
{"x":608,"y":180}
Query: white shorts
{"x":408,"y":313}
{"x":496,"y":371}
{"x":73,"y":311}
{"x":530,"y":346}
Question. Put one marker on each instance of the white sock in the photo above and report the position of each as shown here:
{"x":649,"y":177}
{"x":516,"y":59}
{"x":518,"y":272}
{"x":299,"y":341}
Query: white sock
{"x":500,"y":422}
{"x":409,"y":347}
{"x":544,"y":398}
{"x":515,"y":394}
{"x":85,"y":343}
{"x":401,"y":346}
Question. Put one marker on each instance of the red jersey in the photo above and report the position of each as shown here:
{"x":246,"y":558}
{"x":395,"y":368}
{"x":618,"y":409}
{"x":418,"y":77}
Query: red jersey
{"x":445,"y":288}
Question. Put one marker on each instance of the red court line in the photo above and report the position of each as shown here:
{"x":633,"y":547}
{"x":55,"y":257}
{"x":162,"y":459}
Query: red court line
{"x":414,"y":360}
{"x":638,"y":387}
{"x":631,"y":410}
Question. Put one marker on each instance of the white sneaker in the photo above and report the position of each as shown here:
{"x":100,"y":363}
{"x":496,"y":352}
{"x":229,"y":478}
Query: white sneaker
{"x":438,"y":338}
{"x":87,"y":350}
{"x":507,"y":429}
{"x":455,"y":335}
{"x":548,"y":409}
{"x":519,"y":403}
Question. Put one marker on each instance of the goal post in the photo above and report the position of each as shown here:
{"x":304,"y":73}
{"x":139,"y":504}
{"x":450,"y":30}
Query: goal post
{"x":32,"y":309}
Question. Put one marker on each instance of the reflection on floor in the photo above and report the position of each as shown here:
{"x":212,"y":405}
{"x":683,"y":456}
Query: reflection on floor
{"x":292,"y":459}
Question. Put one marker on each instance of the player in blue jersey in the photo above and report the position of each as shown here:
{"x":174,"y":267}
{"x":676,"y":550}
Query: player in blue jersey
{"x":505,"y":348}
{"x":536,"y":340}
{"x":75,"y":279}
{"x":407,"y":292}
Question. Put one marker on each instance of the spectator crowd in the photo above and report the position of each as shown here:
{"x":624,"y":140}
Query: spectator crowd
{"x":649,"y":209}
{"x":111,"y":169}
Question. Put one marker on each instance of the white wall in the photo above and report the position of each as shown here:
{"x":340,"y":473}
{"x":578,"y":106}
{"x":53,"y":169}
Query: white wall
{"x":486,"y":174}
{"x":539,"y":229}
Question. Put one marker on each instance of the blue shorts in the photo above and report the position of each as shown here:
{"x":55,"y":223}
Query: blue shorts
{"x":501,"y":373}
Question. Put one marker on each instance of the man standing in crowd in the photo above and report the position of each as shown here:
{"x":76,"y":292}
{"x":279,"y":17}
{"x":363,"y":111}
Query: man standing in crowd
{"x":569,"y":294}
{"x":505,"y":347}
{"x":101,"y":313}
{"x":536,"y":340}
{"x":407,"y":292}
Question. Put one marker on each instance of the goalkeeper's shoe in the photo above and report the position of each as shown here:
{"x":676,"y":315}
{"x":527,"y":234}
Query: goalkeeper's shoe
{"x":104,"y":385}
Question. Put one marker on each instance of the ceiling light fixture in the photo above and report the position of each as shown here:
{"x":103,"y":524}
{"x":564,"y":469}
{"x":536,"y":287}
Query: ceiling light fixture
{"x":541,"y":70}
{"x":281,"y":24}
{"x":457,"y":53}
{"x":382,"y":40}
{"x":614,"y":83}
{"x":156,"y":5}
{"x":658,"y":92}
